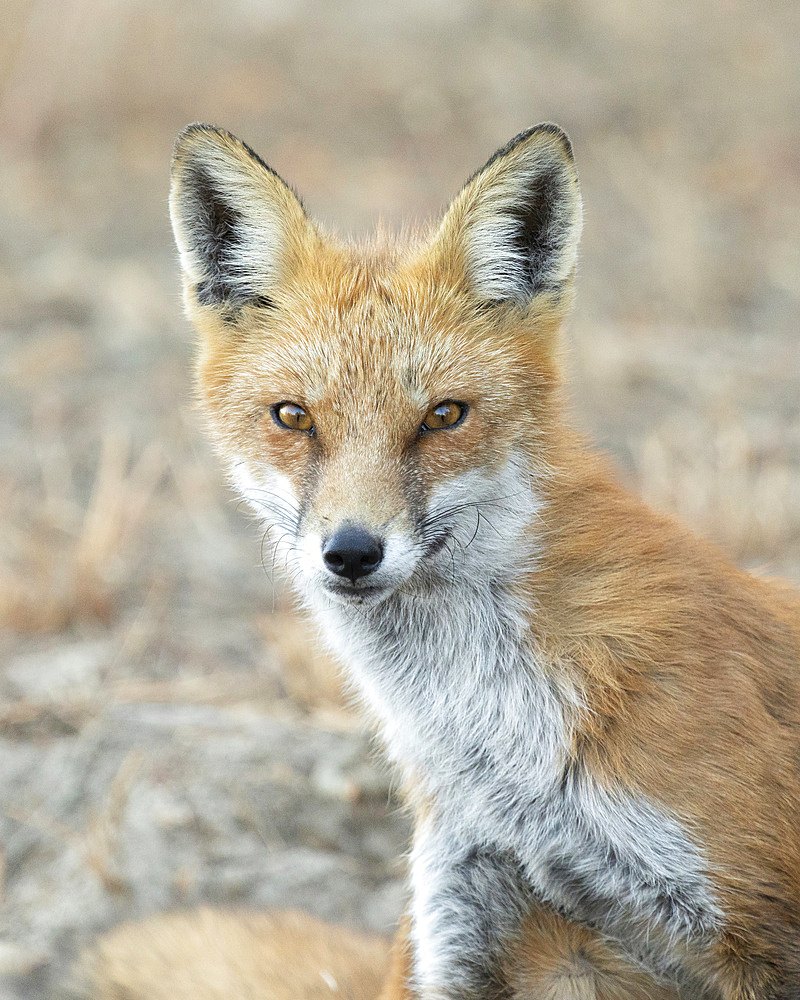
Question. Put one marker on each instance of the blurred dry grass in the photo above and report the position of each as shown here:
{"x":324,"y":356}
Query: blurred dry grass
{"x":721,"y":481}
{"x":63,"y":564}
{"x":129,"y":577}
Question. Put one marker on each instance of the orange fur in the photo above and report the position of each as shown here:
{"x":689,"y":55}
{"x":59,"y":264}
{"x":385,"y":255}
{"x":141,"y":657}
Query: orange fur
{"x":219,"y":955}
{"x":692,"y":671}
{"x":687,"y":666}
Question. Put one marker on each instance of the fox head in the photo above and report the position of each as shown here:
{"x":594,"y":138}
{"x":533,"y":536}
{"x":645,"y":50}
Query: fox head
{"x":385,"y":408}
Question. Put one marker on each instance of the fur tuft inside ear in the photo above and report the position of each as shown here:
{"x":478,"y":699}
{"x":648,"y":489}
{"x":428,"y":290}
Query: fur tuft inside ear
{"x":516,"y":224}
{"x":235,"y":221}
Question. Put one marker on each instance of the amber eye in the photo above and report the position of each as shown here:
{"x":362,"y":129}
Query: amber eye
{"x":293,"y":417}
{"x":445,"y":414}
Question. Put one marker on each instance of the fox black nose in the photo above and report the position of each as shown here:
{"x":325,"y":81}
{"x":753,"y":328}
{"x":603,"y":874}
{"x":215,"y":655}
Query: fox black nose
{"x":352,"y":552}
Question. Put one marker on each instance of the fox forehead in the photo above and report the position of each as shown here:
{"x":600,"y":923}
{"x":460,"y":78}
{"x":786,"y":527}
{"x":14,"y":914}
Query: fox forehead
{"x":385,"y":348}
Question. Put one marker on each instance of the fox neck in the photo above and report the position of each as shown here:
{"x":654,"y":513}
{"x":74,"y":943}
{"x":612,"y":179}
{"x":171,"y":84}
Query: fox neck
{"x":431,"y":666}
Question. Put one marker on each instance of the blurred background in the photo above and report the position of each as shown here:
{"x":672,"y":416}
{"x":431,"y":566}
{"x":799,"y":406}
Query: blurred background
{"x":169,"y":733}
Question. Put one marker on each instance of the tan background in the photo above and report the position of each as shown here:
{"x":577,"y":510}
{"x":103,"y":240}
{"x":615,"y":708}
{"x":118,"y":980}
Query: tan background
{"x":167,"y":738}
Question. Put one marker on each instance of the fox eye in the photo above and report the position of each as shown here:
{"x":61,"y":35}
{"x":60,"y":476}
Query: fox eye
{"x":448,"y":413}
{"x":292,"y":416}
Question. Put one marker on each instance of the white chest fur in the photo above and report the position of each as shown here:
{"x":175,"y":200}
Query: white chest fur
{"x":449,"y":674}
{"x":470,"y":711}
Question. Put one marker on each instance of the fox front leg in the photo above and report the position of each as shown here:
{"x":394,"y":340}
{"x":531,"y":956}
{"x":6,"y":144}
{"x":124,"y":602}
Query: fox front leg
{"x":467,"y":908}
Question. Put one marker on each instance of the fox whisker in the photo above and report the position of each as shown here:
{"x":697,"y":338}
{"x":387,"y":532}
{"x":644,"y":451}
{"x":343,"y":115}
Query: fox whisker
{"x":446,"y":512}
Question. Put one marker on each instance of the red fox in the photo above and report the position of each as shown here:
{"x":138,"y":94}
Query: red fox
{"x":595,"y":717}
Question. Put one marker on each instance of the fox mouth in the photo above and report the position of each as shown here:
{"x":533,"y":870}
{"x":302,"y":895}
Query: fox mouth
{"x":347,"y":593}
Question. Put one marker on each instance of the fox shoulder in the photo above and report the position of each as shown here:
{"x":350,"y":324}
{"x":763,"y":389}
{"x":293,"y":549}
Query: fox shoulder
{"x":221,"y":955}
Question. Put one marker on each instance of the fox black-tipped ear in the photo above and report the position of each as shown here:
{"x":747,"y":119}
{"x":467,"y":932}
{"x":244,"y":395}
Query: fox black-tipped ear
{"x":514,"y":227}
{"x":236,"y":223}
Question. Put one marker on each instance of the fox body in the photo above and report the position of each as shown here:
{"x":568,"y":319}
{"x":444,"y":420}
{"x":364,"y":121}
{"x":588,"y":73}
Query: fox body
{"x":594,"y":715}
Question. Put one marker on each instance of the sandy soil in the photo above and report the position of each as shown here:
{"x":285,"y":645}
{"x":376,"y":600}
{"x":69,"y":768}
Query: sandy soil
{"x":168,"y":734}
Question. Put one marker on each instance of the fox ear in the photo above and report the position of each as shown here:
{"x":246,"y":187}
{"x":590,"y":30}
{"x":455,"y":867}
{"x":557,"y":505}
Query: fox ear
{"x":513,"y":230}
{"x":236,"y":223}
